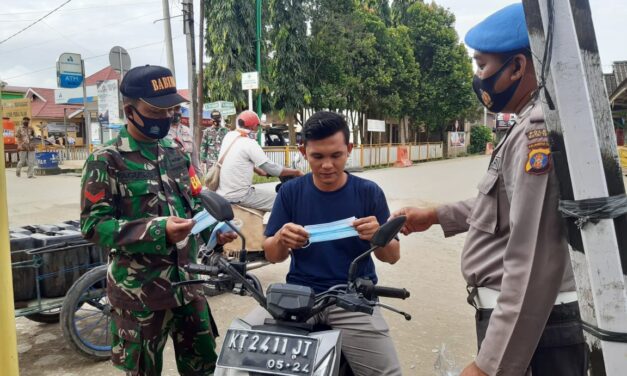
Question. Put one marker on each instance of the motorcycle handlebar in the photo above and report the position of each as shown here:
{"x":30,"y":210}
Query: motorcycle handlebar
{"x":388,"y":292}
{"x":202,"y":269}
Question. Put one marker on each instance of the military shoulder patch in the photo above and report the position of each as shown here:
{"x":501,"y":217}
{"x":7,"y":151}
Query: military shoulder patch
{"x":538,"y":161}
{"x":537,"y":133}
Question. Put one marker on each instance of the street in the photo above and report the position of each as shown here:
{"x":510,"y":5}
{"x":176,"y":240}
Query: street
{"x":429,"y":268}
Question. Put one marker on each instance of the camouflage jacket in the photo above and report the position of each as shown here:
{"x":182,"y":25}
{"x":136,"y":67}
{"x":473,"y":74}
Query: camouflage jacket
{"x":128,"y":191}
{"x":24,"y":137}
{"x":210,"y":146}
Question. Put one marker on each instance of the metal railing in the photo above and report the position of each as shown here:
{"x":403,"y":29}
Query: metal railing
{"x":362,"y":156}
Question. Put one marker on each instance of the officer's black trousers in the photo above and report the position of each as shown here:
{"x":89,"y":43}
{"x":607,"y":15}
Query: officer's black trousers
{"x":562,"y":349}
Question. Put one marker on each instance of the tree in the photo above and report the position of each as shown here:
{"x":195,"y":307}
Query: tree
{"x":288,"y":64}
{"x":230,"y":45}
{"x":446,"y":81}
{"x":399,"y":11}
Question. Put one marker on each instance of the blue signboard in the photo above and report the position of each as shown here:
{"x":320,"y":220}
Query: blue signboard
{"x":70,"y":81}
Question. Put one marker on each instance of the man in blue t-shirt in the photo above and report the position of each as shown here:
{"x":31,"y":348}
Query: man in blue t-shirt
{"x":325,"y":195}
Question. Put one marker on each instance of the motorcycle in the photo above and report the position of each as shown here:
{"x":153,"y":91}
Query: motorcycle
{"x":287,"y":344}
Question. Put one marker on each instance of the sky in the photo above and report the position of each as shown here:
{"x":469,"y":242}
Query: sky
{"x":92,"y":27}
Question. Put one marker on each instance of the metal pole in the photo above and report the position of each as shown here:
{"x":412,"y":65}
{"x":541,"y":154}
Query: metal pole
{"x":188,"y":29}
{"x":86,"y":114}
{"x":197,"y":135}
{"x":258,"y":11}
{"x":250,"y":100}
{"x":167,"y":30}
{"x":485,"y":116}
{"x":8,"y":350}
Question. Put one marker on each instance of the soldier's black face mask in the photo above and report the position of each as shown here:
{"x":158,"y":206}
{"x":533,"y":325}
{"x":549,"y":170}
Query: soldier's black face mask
{"x":484,"y":89}
{"x":155,"y":128}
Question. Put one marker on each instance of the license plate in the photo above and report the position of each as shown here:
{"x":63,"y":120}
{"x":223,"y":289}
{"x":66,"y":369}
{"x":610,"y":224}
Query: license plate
{"x":269,"y":353}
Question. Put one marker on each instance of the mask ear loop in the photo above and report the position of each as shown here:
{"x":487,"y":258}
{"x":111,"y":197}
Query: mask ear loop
{"x":306,"y":244}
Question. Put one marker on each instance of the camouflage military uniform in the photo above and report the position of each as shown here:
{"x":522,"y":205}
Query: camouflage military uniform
{"x":210,"y":146}
{"x":129,"y":188}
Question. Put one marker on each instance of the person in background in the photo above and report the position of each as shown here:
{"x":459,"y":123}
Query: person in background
{"x":212,"y":140}
{"x":25,"y":148}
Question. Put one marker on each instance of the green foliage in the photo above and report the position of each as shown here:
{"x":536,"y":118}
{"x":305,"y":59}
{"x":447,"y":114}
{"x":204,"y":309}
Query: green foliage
{"x":288,"y":64}
{"x":399,"y":59}
{"x":446,"y":83}
{"x":230,"y":45}
{"x":479,"y":136}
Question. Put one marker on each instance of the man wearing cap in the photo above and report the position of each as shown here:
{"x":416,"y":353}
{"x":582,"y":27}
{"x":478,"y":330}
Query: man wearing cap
{"x":25,"y":148}
{"x":180,"y":133}
{"x":137,"y":195}
{"x":515,"y":258}
{"x":212,"y":140}
{"x":242,"y":157}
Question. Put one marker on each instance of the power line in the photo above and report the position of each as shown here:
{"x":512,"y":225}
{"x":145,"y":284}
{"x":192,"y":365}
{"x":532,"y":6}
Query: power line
{"x":40,"y":19}
{"x":83,"y":8}
{"x":91,"y":57}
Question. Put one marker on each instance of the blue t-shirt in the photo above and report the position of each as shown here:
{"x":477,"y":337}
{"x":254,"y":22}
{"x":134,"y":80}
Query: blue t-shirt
{"x":325,"y":264}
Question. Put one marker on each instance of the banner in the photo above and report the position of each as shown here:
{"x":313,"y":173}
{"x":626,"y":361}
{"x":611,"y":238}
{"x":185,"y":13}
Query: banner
{"x":108,"y":103}
{"x":16,"y":109}
{"x":376,"y":125}
{"x":457,"y":139}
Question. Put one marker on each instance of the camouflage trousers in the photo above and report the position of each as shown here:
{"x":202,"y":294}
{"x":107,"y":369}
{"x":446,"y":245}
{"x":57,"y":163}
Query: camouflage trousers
{"x":138,"y":339}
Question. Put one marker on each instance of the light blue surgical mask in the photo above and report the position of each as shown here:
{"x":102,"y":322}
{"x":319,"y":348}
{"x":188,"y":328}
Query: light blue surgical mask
{"x":203,"y":220}
{"x":325,"y":232}
{"x":221,"y":228}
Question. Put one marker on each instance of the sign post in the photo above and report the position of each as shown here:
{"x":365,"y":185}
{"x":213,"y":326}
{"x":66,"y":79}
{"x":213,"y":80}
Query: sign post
{"x":250,"y":82}
{"x":120,"y":60}
{"x":71,"y":74}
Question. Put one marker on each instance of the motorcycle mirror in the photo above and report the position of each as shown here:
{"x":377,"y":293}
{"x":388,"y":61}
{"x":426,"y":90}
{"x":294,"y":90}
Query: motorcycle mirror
{"x":388,"y":231}
{"x":381,"y":238}
{"x":216,"y":205}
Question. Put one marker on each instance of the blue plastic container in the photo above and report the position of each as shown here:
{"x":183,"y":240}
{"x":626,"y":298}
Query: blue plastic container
{"x":47,"y":159}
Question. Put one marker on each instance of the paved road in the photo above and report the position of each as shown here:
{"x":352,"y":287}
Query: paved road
{"x":429,"y":268}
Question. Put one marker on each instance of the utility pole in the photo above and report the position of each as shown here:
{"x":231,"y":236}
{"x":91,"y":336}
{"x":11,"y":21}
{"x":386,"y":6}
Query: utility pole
{"x":583,"y":144}
{"x":188,"y":29}
{"x":258,"y":13}
{"x":8,"y":350}
{"x":167,"y":31}
{"x":201,"y":70}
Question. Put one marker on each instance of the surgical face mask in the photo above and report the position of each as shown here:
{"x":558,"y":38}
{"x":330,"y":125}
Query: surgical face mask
{"x":203,"y":220}
{"x":484,"y":89}
{"x":155,"y":128}
{"x":331,"y":231}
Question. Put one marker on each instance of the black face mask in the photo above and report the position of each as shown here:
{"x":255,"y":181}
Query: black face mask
{"x":152,"y":128}
{"x":484,"y":89}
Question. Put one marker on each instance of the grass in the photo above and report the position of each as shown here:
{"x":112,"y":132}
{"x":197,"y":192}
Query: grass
{"x":262,"y":179}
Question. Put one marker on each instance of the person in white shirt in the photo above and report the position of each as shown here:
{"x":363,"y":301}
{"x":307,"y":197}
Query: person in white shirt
{"x":244,"y":157}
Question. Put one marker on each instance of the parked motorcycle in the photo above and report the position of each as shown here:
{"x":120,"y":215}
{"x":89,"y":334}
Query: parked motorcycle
{"x":287,"y":344}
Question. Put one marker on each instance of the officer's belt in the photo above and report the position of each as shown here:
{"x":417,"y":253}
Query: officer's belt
{"x":485,"y":298}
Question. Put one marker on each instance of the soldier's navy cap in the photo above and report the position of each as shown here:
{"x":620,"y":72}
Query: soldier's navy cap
{"x":503,"y":31}
{"x":153,"y":84}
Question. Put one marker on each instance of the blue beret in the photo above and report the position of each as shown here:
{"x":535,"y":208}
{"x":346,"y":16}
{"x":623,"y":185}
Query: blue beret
{"x":503,"y":31}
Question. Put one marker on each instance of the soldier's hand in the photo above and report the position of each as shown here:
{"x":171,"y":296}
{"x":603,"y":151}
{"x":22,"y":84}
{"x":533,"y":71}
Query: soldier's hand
{"x":418,"y":219}
{"x":177,"y":229}
{"x":292,"y":236}
{"x":226,"y":237}
{"x":366,"y":227}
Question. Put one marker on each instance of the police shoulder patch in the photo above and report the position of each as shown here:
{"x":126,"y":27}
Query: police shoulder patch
{"x":538,"y":160}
